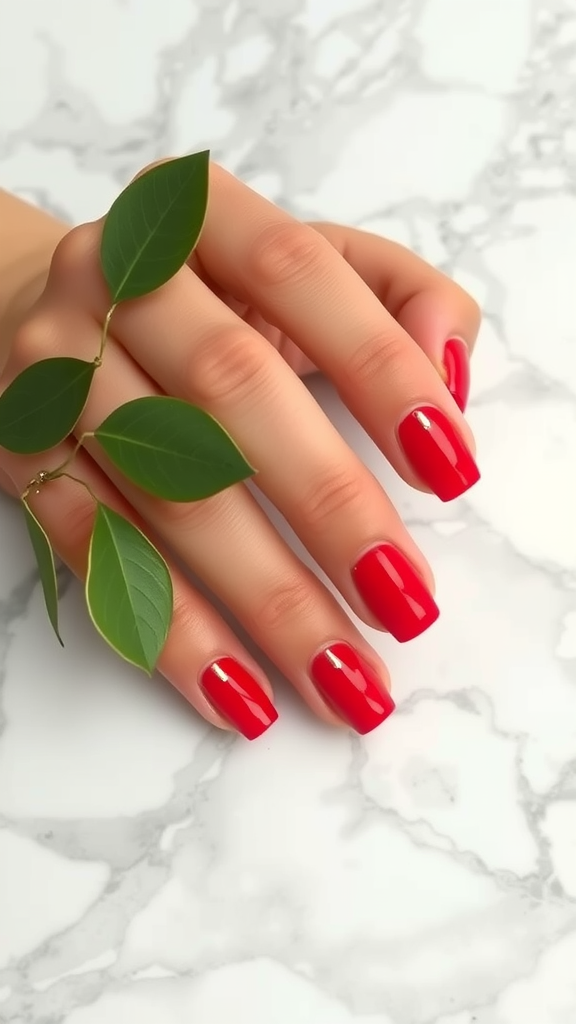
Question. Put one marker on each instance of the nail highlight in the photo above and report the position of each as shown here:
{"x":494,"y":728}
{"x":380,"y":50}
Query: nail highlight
{"x":394,"y":592}
{"x":437,"y":452}
{"x":236,"y":695}
{"x":457,"y":368}
{"x":351,"y":687}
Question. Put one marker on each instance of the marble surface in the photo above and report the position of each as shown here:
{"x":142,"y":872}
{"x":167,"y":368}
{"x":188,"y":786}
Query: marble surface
{"x":152,"y":870}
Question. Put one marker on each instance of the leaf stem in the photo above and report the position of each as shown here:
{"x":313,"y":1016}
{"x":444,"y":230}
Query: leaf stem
{"x":53,"y":474}
{"x":44,"y":476}
{"x":78,"y":480}
{"x":35,"y":483}
{"x":104,"y":335}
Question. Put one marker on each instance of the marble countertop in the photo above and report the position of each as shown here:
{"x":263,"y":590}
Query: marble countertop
{"x":152,"y":870}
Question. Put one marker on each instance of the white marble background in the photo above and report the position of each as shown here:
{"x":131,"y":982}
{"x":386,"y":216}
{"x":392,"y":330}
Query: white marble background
{"x":154,"y":871}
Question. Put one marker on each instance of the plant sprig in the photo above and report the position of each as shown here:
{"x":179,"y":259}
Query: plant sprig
{"x":167,"y":447}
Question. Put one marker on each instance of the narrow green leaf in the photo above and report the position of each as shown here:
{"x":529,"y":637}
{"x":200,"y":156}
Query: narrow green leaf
{"x":153,"y":226}
{"x":172,"y":449}
{"x":43,"y":404}
{"x":128,"y":589}
{"x":46,"y":567}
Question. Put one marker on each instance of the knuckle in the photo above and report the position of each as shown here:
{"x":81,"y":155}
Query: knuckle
{"x":229,"y":368}
{"x":286,"y":603}
{"x":73,"y":253}
{"x":375,"y":361}
{"x":187,"y":518}
{"x":341,"y":491}
{"x":285,"y":253}
{"x":151,"y":166}
{"x":34,"y":340}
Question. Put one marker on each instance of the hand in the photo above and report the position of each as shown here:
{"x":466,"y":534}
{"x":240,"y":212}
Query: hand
{"x":370,"y":315}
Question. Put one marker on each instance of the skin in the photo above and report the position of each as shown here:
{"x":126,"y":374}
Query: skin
{"x":253,"y":309}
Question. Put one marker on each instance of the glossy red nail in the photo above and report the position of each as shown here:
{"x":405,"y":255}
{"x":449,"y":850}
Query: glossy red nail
{"x":437,"y":452}
{"x":236,"y":695}
{"x":351,"y":687}
{"x":457,"y":367}
{"x":394,"y":592}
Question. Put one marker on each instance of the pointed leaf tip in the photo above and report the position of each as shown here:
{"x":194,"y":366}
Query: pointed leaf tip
{"x":46,"y":567}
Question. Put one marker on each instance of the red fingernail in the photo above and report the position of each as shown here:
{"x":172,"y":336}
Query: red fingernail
{"x":457,"y":367}
{"x":236,"y":695}
{"x":351,"y":687}
{"x":394,"y":592}
{"x":437,"y":452}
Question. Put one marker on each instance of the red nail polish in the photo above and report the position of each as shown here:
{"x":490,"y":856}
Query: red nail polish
{"x":236,"y":695}
{"x":437,"y":452}
{"x":351,"y":687}
{"x":394,"y":592}
{"x":457,"y":367}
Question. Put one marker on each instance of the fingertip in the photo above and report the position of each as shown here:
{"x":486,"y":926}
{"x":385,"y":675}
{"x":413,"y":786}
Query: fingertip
{"x":237,"y":697}
{"x":445,"y":329}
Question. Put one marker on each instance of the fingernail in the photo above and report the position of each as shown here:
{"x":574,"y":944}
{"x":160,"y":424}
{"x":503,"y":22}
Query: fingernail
{"x":437,"y":452}
{"x":394,"y":592}
{"x":457,"y":367}
{"x":236,"y":695}
{"x":351,"y":687}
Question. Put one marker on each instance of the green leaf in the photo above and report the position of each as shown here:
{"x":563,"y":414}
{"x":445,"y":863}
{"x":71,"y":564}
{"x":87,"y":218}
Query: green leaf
{"x":128,"y":589}
{"x":172,"y":449}
{"x":43,"y":404}
{"x":153,"y":226}
{"x":46,"y":567}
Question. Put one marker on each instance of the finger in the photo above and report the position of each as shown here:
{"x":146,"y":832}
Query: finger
{"x":202,"y":657}
{"x":283,"y":605}
{"x":303,"y":286}
{"x":441,"y":317}
{"x":280,"y":603}
{"x":329,"y":497}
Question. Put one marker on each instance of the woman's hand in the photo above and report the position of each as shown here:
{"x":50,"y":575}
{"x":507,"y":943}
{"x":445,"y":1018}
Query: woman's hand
{"x":371,"y":316}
